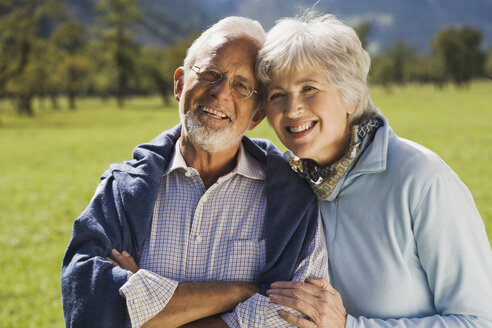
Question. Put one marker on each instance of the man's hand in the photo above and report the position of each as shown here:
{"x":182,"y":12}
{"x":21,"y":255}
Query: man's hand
{"x":124,"y":260}
{"x":315,"y":298}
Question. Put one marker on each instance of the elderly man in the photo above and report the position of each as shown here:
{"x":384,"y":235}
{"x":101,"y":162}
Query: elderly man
{"x":207,"y":214}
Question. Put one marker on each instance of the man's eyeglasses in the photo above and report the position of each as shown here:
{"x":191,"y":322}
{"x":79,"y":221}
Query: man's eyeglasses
{"x":240,"y":87}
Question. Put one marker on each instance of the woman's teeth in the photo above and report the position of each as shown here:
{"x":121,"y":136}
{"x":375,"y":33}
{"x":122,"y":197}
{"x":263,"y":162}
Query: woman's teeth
{"x":301,"y":128}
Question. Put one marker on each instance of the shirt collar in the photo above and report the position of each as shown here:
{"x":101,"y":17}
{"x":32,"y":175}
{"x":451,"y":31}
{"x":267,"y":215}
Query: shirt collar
{"x":246,"y":165}
{"x":177,"y":161}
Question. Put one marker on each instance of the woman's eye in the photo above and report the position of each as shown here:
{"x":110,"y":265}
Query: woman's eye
{"x":275,"y":96}
{"x":309,"y":90}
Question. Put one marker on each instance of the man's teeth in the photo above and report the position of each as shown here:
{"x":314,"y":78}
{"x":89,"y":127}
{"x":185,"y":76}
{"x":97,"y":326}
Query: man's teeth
{"x":300,"y":128}
{"x":214,"y":112}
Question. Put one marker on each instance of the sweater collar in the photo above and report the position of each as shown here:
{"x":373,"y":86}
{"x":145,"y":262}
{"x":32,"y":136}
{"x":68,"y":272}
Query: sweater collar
{"x":374,"y":158}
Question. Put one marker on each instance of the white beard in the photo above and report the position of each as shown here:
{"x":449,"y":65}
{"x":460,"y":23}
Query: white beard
{"x":208,"y":138}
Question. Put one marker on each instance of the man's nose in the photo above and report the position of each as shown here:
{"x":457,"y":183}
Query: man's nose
{"x":222,"y":90}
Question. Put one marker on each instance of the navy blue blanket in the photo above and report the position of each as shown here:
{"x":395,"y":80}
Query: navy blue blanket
{"x":120,"y":215}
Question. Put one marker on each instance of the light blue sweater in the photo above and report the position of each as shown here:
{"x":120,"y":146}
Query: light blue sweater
{"x":406,"y":244}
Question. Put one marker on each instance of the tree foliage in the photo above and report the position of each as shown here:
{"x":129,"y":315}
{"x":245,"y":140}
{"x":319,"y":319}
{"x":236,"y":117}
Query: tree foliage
{"x":363,"y":30}
{"x":46,"y":52}
{"x":488,"y":64}
{"x":118,"y":18}
{"x":70,"y":39}
{"x":23,"y":49}
{"x":391,"y":66}
{"x":457,"y":58}
{"x":458,"y":48}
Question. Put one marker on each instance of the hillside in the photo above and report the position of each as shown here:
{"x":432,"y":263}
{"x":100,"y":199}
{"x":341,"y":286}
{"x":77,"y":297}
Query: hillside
{"x":163,"y":22}
{"x":415,"y":22}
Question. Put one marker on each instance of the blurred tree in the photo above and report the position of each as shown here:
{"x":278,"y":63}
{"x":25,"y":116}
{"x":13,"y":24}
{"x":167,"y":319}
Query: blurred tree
{"x":15,"y":39}
{"x":488,"y":64}
{"x":381,"y":71}
{"x":102,"y":72}
{"x":50,"y":60}
{"x":39,"y":77}
{"x":70,"y":38}
{"x":159,"y":66}
{"x":389,"y":67}
{"x":363,"y":30}
{"x":151,"y":67}
{"x":400,"y":54}
{"x":22,"y":23}
{"x":119,"y":18}
{"x":425,"y":69}
{"x":459,"y":50}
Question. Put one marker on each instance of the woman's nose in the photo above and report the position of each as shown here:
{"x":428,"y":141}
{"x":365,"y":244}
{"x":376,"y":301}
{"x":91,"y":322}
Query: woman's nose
{"x":294,"y":107}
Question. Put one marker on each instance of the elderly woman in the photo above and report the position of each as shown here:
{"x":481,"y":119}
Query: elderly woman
{"x":406,"y":244}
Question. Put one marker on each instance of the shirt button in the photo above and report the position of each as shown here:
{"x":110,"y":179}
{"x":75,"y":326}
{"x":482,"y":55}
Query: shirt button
{"x":188,"y":174}
{"x":198,"y":239}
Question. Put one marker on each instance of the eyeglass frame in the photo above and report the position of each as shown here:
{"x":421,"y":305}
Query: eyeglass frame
{"x":222,"y":77}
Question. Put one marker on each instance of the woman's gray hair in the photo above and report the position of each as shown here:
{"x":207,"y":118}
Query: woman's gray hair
{"x":324,"y":43}
{"x":229,"y":27}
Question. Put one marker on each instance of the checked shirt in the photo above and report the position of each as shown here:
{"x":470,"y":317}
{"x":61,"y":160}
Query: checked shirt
{"x":213,"y":234}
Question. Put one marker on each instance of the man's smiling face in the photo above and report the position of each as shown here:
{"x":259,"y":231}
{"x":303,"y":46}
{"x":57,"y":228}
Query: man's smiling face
{"x":212,"y":117}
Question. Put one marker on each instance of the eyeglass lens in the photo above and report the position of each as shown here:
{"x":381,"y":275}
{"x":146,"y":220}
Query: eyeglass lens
{"x":240,"y":87}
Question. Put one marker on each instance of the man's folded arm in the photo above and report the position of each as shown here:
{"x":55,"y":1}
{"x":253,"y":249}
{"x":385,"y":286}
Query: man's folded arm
{"x":210,"y":322}
{"x":156,"y":301}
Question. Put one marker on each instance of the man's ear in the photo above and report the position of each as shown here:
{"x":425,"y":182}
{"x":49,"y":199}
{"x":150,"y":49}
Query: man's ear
{"x":257,"y":118}
{"x":178,"y":82}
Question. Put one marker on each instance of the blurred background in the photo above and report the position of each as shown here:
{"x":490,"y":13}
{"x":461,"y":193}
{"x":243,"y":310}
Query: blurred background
{"x":123,"y":48}
{"x":82,"y":82}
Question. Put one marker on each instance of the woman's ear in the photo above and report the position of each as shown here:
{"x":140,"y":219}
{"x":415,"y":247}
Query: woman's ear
{"x":178,"y":82}
{"x":257,"y":118}
{"x":350,"y":109}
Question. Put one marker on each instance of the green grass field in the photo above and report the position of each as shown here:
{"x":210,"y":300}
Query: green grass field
{"x":50,"y":166}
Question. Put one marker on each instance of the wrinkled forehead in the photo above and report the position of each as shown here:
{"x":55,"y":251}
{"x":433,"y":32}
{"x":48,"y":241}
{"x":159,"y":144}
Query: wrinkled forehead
{"x":234,"y":56}
{"x":229,"y":49}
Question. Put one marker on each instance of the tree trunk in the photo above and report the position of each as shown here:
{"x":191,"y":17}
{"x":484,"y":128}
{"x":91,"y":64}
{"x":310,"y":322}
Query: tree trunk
{"x":165,"y":97}
{"x":122,"y":84}
{"x":72,"y":92}
{"x":121,"y":100}
{"x":54,"y":101}
{"x":24,"y":105}
{"x":71,"y":100}
{"x":41,"y":101}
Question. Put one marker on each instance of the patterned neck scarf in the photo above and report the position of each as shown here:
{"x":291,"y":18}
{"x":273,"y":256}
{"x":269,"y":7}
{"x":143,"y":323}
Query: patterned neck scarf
{"x":324,"y":180}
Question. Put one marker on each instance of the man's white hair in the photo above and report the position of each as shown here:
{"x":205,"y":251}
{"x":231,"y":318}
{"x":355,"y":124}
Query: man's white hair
{"x":228,"y":27}
{"x":324,"y":43}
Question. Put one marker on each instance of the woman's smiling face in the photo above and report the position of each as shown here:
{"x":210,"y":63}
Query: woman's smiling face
{"x":309,"y":115}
